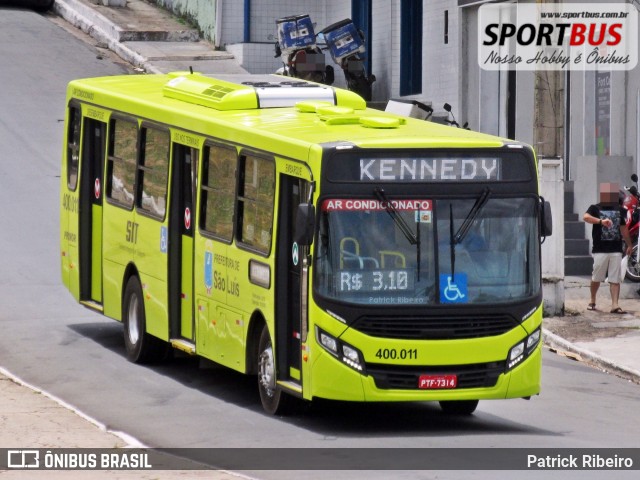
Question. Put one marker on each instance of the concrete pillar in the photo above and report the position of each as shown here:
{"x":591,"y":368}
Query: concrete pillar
{"x":550,"y":171}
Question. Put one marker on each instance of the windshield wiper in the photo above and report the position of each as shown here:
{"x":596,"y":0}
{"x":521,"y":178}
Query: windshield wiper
{"x":452,"y":245}
{"x":393,"y":213}
{"x":471,"y":216}
{"x":466,"y":225}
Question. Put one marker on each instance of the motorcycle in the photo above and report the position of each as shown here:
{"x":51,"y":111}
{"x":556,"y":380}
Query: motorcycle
{"x":300,"y":55}
{"x":410,"y":108}
{"x":452,"y":122}
{"x":346,"y":46}
{"x":631,"y":203}
{"x":416,"y":109}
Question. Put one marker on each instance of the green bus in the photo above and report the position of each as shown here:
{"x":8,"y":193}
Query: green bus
{"x":283,"y":229}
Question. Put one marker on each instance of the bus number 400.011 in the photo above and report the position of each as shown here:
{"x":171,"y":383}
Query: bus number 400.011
{"x":401,"y":354}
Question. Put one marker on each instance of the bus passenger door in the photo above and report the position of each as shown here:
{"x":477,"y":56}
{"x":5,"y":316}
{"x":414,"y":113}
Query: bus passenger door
{"x":181,"y":227}
{"x":289,"y":262}
{"x":91,"y":194}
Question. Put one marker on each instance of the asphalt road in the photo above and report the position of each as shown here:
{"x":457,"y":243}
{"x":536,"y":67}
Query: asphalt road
{"x":77,"y":355}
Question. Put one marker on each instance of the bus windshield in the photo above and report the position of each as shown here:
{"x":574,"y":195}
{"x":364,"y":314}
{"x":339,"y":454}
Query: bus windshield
{"x":399,"y":251}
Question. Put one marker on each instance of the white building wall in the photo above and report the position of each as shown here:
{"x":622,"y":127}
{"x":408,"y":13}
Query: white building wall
{"x":323,"y":13}
{"x":395,"y":50}
{"x":441,"y":62}
{"x":264,"y":14}
{"x":619,"y":107}
{"x":525,"y":85}
{"x":632,"y":130}
{"x":632,"y":102}
{"x":257,"y":56}
{"x":232,"y":22}
{"x":479,"y":89}
{"x":202,"y":12}
{"x":588,"y":169}
{"x":383,"y":61}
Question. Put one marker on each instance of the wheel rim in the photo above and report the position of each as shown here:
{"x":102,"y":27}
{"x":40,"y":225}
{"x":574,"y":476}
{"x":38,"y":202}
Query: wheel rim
{"x":633,"y":267}
{"x":267,"y":371}
{"x":132,"y":323}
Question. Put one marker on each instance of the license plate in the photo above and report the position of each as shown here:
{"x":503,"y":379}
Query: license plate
{"x":437,"y":381}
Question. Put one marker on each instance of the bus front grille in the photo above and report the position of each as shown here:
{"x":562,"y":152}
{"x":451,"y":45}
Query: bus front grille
{"x":479,"y":375}
{"x":435,"y":328}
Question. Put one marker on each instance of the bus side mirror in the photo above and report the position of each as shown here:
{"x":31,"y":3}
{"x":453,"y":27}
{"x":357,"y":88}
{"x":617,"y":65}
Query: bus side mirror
{"x":305,"y":224}
{"x":546,"y":227}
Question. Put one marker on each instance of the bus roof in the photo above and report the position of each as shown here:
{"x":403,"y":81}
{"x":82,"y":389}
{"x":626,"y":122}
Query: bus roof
{"x":295,"y":112}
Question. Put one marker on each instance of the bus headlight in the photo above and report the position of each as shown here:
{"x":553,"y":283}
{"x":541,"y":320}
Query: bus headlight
{"x":349,"y":355}
{"x":328,"y":342}
{"x":533,"y":339}
{"x":522,"y":350}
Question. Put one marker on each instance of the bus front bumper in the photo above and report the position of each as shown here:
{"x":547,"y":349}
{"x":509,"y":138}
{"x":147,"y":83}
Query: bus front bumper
{"x":334,"y":380}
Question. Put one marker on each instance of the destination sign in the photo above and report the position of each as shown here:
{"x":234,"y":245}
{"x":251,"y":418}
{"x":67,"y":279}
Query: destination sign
{"x":435,"y":169}
{"x":416,"y":166}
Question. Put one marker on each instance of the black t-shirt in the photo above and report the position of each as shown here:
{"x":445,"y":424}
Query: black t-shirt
{"x":607,"y":240}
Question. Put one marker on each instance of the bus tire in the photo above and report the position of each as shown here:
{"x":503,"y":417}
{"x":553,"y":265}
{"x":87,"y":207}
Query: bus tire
{"x":140,"y":346}
{"x":273,"y":399}
{"x":459,"y":407}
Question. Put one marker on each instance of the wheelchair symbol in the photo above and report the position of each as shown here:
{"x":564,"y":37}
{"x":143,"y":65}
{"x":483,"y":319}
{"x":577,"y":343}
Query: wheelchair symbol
{"x":453,"y":290}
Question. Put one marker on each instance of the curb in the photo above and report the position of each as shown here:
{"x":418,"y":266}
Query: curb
{"x":130,"y":441}
{"x":554,"y":342}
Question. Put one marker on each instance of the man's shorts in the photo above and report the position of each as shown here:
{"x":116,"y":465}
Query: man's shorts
{"x":607,"y":265}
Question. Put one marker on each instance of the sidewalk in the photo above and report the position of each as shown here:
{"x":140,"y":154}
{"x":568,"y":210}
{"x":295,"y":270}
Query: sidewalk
{"x":154,"y":41}
{"x":147,"y":37}
{"x":32,"y":419}
{"x":606,"y":340}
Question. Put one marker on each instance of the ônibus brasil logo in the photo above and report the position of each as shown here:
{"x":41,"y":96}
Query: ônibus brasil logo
{"x":558,"y":36}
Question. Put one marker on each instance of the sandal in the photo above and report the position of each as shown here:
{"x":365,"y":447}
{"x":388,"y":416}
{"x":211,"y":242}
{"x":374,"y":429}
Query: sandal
{"x":591,"y":306}
{"x":618,"y":311}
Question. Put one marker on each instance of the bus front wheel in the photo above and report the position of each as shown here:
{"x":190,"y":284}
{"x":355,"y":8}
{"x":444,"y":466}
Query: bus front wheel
{"x":141,"y":347}
{"x":459,"y":407}
{"x":274,"y":401}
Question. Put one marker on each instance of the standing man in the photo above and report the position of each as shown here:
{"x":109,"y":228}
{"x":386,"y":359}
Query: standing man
{"x":608,"y":231}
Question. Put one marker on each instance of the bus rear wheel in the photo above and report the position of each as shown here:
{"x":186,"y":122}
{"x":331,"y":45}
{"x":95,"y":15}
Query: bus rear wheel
{"x":141,"y":347}
{"x":459,"y":407}
{"x":274,"y":400}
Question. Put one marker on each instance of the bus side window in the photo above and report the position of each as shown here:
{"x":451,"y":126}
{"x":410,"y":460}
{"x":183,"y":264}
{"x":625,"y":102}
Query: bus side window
{"x":153,"y":171}
{"x":73,"y":147}
{"x":121,"y":163}
{"x":255,"y":202}
{"x":218,"y":191}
